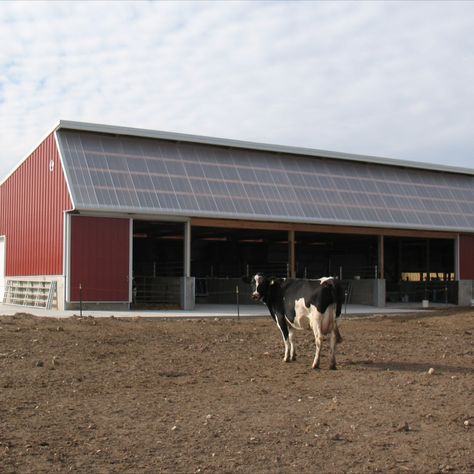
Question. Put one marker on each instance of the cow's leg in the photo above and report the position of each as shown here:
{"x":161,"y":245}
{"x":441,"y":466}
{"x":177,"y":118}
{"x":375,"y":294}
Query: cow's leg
{"x":338,"y":334}
{"x":285,"y":334}
{"x":333,"y":341}
{"x":291,"y":335}
{"x":315,"y":323}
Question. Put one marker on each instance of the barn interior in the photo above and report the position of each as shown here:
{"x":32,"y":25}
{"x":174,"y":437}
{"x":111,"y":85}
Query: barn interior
{"x":158,"y":249}
{"x":420,"y":268}
{"x":231,"y":253}
{"x":221,"y":256}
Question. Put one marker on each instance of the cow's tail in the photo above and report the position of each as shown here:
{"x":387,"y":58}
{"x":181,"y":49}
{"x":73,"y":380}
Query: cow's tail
{"x":339,"y":297}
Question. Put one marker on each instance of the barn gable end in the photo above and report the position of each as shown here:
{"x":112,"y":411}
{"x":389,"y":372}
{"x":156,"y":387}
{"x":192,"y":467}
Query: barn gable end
{"x":33,"y":200}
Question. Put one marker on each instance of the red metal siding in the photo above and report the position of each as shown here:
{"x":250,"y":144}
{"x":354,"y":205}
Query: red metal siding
{"x":32,"y":204}
{"x":466,"y":257}
{"x":100,"y":258}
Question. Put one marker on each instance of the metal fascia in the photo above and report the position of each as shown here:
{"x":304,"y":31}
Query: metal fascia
{"x":179,"y":215}
{"x":67,"y":257}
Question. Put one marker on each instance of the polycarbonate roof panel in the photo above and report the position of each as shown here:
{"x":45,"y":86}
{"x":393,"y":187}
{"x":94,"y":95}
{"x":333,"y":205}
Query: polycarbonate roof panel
{"x":145,"y":175}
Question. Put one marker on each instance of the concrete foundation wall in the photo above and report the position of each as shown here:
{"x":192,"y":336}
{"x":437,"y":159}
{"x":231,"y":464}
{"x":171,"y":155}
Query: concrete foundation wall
{"x":187,"y":293}
{"x":223,"y":291}
{"x":465,"y":292}
{"x":368,"y":292}
{"x":102,"y":306}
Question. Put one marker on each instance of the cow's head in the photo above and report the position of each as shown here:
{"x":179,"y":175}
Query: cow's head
{"x":259,"y":285}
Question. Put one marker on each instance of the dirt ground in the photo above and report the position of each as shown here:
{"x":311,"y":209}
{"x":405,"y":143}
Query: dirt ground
{"x":110,"y":395}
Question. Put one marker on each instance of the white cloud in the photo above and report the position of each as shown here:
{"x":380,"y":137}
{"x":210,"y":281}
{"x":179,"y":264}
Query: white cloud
{"x":382,"y":78}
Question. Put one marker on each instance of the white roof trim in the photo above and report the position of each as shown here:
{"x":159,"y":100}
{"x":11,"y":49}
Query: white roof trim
{"x":182,"y":137}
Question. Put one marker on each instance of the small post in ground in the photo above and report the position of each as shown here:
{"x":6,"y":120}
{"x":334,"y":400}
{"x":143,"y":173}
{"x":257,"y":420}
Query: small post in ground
{"x":237,"y":298}
{"x":80,"y":299}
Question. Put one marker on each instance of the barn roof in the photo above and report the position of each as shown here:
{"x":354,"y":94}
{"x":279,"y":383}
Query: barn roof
{"x":139,"y":171}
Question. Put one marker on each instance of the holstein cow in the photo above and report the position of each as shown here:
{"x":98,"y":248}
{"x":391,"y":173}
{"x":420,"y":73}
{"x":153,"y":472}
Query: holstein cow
{"x":302,"y":304}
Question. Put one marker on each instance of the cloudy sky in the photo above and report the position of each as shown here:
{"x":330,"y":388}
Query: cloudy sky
{"x":393,"y":79}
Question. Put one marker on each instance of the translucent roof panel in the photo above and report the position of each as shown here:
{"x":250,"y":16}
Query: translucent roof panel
{"x":146,"y":175}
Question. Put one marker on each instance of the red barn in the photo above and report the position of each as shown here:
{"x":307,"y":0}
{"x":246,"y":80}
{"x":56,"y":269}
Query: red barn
{"x":115,"y":216}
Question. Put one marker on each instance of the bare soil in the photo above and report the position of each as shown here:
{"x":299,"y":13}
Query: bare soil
{"x":112,"y":395}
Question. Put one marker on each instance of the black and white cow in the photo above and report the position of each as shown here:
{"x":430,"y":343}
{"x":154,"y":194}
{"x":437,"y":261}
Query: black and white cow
{"x":302,"y":304}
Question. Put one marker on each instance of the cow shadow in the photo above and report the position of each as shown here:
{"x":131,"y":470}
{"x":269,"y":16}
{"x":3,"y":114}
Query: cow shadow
{"x":417,"y":367}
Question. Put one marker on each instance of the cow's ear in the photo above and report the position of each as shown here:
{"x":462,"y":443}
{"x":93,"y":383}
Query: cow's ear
{"x":246,"y":279}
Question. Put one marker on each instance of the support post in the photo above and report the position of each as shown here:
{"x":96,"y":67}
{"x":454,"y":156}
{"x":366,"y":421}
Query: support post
{"x":457,"y":274}
{"x":291,"y":253}
{"x":238,"y":303}
{"x":381,"y":257}
{"x":428,"y":269}
{"x":187,"y":249}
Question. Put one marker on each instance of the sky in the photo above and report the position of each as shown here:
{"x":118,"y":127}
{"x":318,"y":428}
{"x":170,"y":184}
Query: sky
{"x":387,"y":79}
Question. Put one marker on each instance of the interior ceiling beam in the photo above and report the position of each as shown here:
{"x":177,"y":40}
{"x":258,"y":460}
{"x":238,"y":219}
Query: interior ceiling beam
{"x":318,"y":228}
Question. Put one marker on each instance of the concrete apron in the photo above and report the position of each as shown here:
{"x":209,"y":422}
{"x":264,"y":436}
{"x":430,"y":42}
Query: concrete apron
{"x":215,"y":311}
